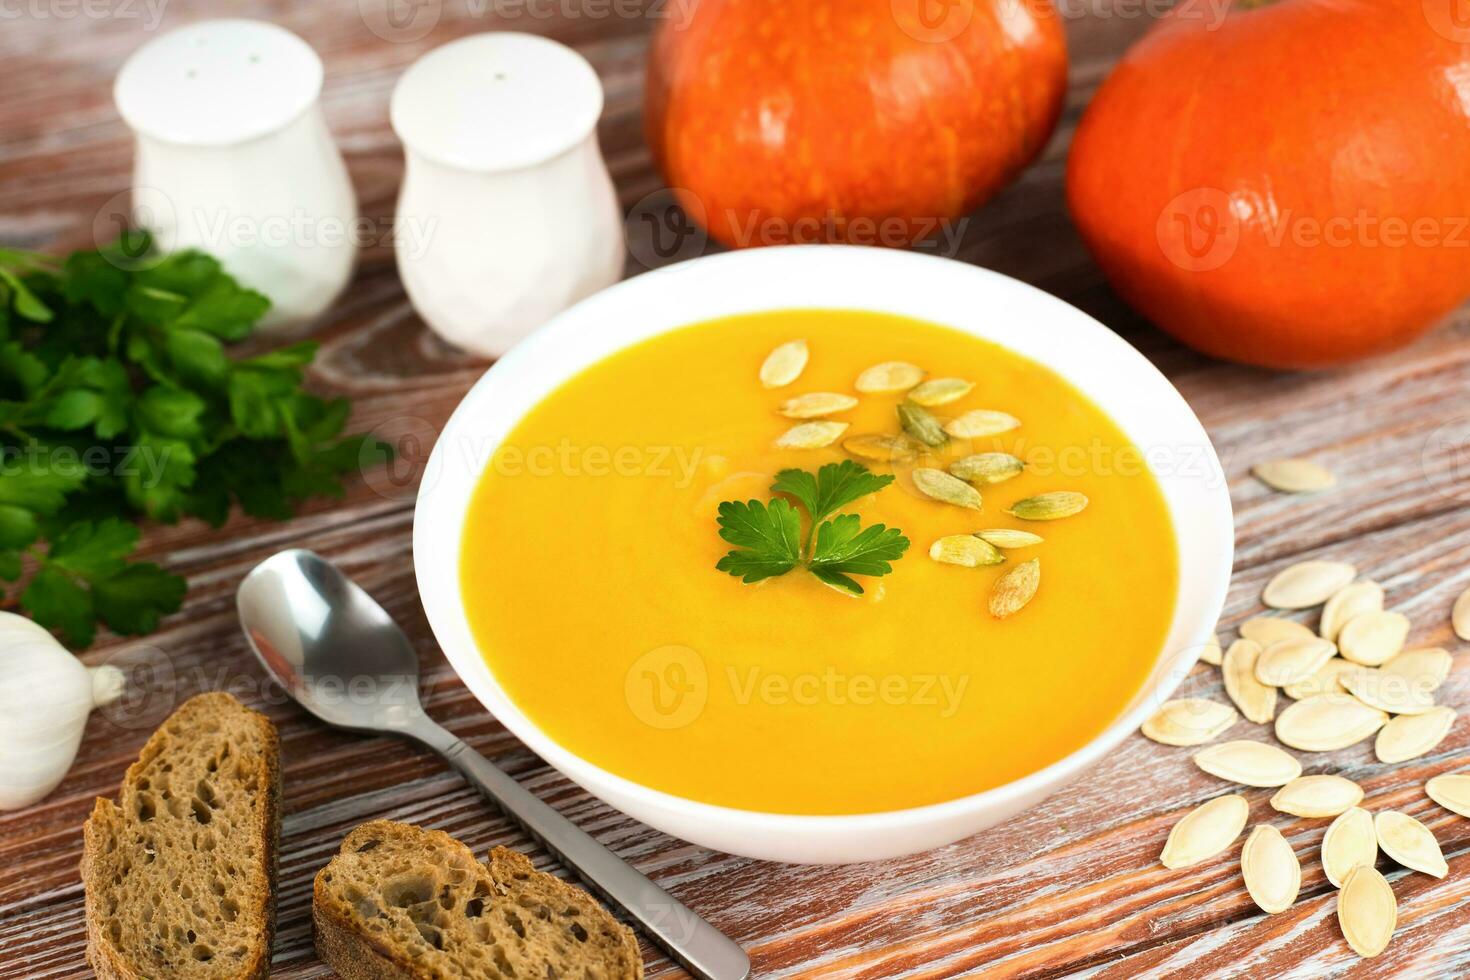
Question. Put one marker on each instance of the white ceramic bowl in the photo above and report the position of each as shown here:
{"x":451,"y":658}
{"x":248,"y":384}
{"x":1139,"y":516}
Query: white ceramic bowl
{"x":974,"y":300}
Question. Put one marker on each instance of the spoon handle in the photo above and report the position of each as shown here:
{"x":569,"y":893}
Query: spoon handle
{"x":698,"y":946}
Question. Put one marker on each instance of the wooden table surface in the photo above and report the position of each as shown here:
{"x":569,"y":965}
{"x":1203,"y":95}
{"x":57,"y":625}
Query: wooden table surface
{"x":1070,"y":888}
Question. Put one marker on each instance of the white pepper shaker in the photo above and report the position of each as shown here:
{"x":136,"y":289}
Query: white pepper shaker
{"x":507,"y":213}
{"x":234,"y":158}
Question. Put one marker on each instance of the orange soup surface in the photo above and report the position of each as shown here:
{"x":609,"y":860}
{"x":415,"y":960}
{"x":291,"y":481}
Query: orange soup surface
{"x":588,"y":567}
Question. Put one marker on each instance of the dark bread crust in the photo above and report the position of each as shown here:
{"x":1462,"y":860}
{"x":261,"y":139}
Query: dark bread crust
{"x":108,"y":821}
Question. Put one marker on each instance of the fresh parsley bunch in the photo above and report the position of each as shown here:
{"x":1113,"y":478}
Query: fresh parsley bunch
{"x":119,"y":400}
{"x":768,"y":537}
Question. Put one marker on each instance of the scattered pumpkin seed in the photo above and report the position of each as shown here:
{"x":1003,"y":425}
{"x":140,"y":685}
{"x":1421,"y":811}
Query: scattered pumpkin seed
{"x":1014,"y":589}
{"x":1205,"y":831}
{"x":811,"y":435}
{"x":966,"y":550}
{"x":1347,"y":602}
{"x":1291,"y":661}
{"x":1350,"y":842}
{"x":987,"y":467}
{"x":1272,"y":873}
{"x":941,"y":391}
{"x":1328,"y":722}
{"x":1189,"y":721}
{"x":1049,"y":506}
{"x":1410,"y":736}
{"x":1249,"y":763}
{"x":1210,"y":652}
{"x":1327,"y":680}
{"x":888,"y":377}
{"x":1294,"y":475}
{"x":1409,"y":842}
{"x":1373,"y":639}
{"x":1367,"y":912}
{"x":1460,"y":616}
{"x":1255,"y":700}
{"x":1307,"y":584}
{"x":1007,"y":539}
{"x":881,"y":448}
{"x":939,"y":485}
{"x":1427,"y":666}
{"x":1267,"y":630}
{"x":980,"y":423}
{"x":1318,"y":796}
{"x":920,"y":424}
{"x":784,"y":364}
{"x":1388,"y":692}
{"x":816,"y":404}
{"x":1451,"y":791}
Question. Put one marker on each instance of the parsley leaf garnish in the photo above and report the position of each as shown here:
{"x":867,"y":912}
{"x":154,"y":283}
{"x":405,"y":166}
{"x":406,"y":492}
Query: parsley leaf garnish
{"x":767,"y":536}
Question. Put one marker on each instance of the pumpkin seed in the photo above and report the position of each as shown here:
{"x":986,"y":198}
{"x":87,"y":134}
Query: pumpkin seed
{"x":1374,"y":638}
{"x":1272,"y":873}
{"x":1410,"y":736}
{"x":1427,"y":667}
{"x":1294,"y":475}
{"x":816,"y":404}
{"x":888,"y":377}
{"x":1049,"y":506}
{"x":1327,"y":680}
{"x":981,"y":423}
{"x":941,"y":391}
{"x":966,"y":550}
{"x":1205,"y":831}
{"x":1388,"y":692}
{"x":784,"y":364}
{"x":1307,"y":584}
{"x":1189,"y":721}
{"x":1014,"y":589}
{"x":811,"y":435}
{"x":1291,"y":661}
{"x":987,"y":467}
{"x":1255,"y":700}
{"x":1249,"y":763}
{"x":1460,"y":616}
{"x":881,"y":448}
{"x":1367,"y":912}
{"x":939,"y":485}
{"x":1007,"y":539}
{"x":1451,"y":791}
{"x":1210,"y":652}
{"x":1328,"y":722}
{"x":921,"y":425}
{"x":1410,"y":843}
{"x":1350,"y":842}
{"x":1267,"y":630}
{"x":1318,"y":796}
{"x":1347,"y":602}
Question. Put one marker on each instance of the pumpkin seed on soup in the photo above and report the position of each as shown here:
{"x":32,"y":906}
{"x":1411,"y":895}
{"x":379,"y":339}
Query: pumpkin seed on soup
{"x":784,"y":364}
{"x":1007,"y":539}
{"x":1014,"y":589}
{"x":966,"y":550}
{"x":888,"y":377}
{"x":941,"y":391}
{"x":920,"y":424}
{"x":881,"y":448}
{"x":981,"y":423}
{"x":816,"y":404}
{"x":1049,"y":506}
{"x":987,"y":468}
{"x":811,"y":435}
{"x":939,"y":485}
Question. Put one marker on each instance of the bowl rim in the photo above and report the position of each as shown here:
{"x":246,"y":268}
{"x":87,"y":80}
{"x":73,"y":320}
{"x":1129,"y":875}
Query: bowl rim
{"x":475,"y":673}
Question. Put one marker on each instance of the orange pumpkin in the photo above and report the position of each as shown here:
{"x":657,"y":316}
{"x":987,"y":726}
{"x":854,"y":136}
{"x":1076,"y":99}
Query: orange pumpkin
{"x":859,"y":121}
{"x":1284,"y":183}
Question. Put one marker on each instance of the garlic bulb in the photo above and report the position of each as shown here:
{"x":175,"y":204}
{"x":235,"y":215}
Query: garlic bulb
{"x":46,"y":694}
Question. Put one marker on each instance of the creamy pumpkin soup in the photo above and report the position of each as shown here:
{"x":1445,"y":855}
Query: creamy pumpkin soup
{"x":989,"y":578}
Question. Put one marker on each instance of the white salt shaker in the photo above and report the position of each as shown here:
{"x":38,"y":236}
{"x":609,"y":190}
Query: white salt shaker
{"x":507,"y":213}
{"x":234,"y":158}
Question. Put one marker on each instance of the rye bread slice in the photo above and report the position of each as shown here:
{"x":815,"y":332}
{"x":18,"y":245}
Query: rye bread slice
{"x":399,"y":902}
{"x":180,"y":873}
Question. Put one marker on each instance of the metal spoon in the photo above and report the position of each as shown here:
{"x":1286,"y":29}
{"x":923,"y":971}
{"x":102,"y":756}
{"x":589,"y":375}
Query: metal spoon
{"x":340,"y":655}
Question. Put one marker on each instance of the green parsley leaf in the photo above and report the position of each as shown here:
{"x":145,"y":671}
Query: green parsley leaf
{"x":767,"y":539}
{"x":833,"y":487}
{"x":844,"y":547}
